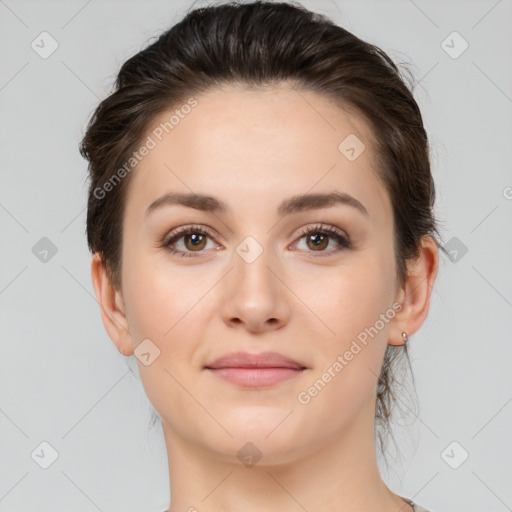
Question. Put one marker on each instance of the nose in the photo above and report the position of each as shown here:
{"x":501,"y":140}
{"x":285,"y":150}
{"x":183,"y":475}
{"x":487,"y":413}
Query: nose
{"x":255,"y":296}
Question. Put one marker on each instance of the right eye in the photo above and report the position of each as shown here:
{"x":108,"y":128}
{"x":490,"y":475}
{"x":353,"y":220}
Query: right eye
{"x":194,"y":241}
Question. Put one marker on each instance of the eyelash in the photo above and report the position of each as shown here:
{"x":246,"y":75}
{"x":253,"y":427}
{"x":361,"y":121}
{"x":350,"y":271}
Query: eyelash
{"x":331,"y":232}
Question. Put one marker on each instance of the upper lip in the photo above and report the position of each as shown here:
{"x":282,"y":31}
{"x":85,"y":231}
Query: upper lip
{"x":260,"y":360}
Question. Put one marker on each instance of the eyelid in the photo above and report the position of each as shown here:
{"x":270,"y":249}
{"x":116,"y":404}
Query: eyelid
{"x":321,"y":226}
{"x":183,"y":230}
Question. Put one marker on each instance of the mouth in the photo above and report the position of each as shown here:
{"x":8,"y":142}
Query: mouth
{"x":255,"y":370}
{"x":256,"y":377}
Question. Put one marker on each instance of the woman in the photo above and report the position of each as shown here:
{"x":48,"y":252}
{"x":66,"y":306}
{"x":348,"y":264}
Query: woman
{"x":261,"y":221}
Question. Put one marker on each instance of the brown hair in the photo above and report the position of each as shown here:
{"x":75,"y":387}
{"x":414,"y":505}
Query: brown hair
{"x":260,"y":44}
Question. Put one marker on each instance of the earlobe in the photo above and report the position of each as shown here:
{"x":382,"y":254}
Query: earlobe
{"x":111,"y":306}
{"x":416,"y":292}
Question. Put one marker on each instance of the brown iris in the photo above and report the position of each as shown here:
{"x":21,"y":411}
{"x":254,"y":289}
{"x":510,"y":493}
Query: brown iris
{"x":319,"y":241}
{"x":198,"y":241}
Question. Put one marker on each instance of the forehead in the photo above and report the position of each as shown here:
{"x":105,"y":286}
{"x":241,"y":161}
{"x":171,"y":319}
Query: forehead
{"x":256,"y":144}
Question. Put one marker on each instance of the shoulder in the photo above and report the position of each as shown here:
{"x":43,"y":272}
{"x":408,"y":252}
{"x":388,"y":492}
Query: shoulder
{"x":418,"y":508}
{"x":415,"y":506}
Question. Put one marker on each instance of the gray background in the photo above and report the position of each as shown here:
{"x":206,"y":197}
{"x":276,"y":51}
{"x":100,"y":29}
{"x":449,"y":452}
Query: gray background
{"x":62,"y":380}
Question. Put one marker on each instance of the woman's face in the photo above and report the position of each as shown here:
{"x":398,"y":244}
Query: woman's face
{"x":256,"y":282}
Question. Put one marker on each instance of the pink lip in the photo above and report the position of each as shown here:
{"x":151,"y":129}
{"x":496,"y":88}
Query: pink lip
{"x":256,"y":377}
{"x":255,"y":370}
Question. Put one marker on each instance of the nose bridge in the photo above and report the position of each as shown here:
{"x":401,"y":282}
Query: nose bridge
{"x":255,"y":296}
{"x":252,"y":262}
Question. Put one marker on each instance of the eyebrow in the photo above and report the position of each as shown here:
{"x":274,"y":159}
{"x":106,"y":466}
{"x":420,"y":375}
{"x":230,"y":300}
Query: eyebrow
{"x":291,"y":205}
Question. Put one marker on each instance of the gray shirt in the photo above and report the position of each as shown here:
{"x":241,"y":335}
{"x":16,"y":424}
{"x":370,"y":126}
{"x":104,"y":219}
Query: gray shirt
{"x":414,"y":506}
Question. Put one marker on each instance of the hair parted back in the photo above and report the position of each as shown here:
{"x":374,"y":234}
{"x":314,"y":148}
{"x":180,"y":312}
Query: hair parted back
{"x":260,"y":44}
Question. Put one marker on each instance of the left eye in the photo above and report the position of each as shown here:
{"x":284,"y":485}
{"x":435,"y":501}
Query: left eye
{"x":317,"y":239}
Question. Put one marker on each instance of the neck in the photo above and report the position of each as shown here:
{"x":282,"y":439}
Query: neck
{"x":341,"y":476}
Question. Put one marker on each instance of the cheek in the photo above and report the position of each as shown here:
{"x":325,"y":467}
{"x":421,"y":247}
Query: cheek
{"x":348,"y":359}
{"x":160,"y":298}
{"x":354,"y":304}
{"x":345,"y":300}
{"x":165,"y":306}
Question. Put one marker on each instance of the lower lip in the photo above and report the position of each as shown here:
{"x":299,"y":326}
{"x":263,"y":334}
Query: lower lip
{"x":256,"y":377}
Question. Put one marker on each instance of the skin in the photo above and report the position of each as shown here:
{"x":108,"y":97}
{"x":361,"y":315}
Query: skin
{"x":252,"y":148}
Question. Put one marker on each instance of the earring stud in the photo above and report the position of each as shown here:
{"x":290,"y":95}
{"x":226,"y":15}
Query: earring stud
{"x":405,"y":337}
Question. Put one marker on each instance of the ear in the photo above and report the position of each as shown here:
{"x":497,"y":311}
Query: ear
{"x":111,"y":306}
{"x":415,"y":294}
